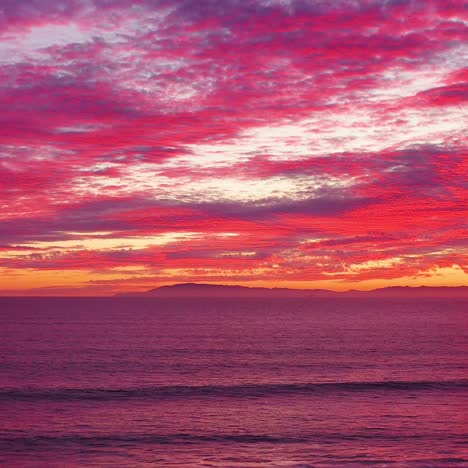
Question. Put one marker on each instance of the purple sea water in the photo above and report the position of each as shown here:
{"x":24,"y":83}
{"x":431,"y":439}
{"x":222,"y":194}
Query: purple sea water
{"x":140,"y":382}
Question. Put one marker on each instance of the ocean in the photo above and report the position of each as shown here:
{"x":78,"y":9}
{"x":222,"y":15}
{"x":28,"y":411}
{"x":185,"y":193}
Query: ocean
{"x":146,"y":382}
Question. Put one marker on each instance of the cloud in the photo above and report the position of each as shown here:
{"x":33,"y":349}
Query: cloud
{"x":309,"y":140}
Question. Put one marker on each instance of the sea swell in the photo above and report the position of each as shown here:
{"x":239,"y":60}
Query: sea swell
{"x":9,"y":441}
{"x":224,"y":391}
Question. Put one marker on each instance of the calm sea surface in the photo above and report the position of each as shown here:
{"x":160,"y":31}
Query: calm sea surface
{"x":139,"y":382}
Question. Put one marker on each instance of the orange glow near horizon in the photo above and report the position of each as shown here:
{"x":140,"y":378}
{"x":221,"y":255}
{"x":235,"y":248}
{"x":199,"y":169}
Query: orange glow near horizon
{"x":83,"y":283}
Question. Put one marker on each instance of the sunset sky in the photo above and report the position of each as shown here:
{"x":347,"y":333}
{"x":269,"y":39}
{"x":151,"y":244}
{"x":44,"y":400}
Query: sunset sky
{"x":267,"y":143}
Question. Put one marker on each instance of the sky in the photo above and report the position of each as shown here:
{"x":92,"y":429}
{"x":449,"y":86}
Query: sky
{"x":277,"y":143}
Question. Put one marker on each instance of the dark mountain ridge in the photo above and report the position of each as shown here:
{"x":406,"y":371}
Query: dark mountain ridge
{"x":202,"y":290}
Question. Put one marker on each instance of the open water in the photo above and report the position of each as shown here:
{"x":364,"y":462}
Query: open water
{"x":140,"y":382}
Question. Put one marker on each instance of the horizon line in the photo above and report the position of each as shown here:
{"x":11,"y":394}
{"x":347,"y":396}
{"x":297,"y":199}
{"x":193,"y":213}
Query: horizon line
{"x":36,"y":293}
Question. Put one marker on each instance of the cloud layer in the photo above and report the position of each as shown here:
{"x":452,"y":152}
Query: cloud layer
{"x":293,"y":142}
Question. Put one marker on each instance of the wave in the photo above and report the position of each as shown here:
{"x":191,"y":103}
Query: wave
{"x":34,"y":442}
{"x":224,"y":391}
{"x":150,"y":439}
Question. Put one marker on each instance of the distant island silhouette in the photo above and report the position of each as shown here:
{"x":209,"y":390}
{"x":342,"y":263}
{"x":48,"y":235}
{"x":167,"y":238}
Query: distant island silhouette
{"x":202,"y":290}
